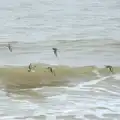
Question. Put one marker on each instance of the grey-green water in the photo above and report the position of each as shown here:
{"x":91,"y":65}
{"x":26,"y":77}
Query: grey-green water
{"x":86,"y":33}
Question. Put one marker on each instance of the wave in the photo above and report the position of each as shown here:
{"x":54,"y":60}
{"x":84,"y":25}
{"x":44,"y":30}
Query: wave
{"x":19,"y":77}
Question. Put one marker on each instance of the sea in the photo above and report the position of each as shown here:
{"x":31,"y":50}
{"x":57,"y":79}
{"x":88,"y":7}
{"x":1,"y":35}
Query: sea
{"x":86,"y":33}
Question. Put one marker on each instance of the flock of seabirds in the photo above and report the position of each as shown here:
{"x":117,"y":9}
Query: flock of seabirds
{"x":55,"y":50}
{"x":31,"y":67}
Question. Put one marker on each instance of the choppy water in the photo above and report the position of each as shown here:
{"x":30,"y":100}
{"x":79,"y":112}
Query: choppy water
{"x":86,"y":33}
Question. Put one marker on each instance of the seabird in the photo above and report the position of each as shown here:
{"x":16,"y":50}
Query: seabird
{"x":30,"y":67}
{"x":110,"y":68}
{"x":55,"y":51}
{"x":51,"y":70}
{"x":10,"y":48}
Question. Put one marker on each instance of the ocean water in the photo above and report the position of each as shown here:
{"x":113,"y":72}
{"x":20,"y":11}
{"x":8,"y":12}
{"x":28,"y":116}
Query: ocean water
{"x":86,"y":33}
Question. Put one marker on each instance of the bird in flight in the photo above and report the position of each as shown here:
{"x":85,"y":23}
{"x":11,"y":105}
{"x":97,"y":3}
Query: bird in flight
{"x":55,"y":51}
{"x":30,"y":67}
{"x":110,"y":68}
{"x":9,"y":47}
{"x":51,"y":70}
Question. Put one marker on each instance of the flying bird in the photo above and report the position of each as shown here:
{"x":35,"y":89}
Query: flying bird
{"x":9,"y":47}
{"x":55,"y":51}
{"x":51,"y":70}
{"x":30,"y":67}
{"x":110,"y":68}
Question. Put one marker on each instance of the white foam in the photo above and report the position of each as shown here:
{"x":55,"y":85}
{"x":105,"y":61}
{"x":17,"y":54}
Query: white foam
{"x":109,"y":91}
{"x":97,"y":73}
{"x":91,"y":82}
{"x":116,"y":76}
{"x":62,"y":97}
